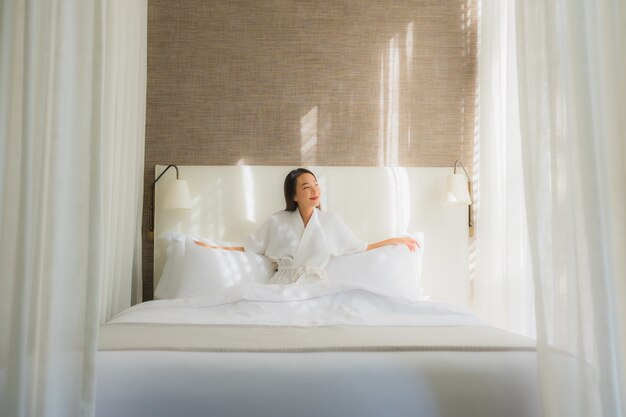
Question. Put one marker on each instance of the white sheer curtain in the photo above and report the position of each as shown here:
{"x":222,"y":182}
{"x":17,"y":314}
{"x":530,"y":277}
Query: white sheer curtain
{"x":72,"y":104}
{"x":502,"y":274}
{"x":572,"y":87}
{"x":124,"y":113}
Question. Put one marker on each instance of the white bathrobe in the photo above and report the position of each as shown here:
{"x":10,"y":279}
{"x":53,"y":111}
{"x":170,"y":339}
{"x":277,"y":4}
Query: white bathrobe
{"x":301,"y":253}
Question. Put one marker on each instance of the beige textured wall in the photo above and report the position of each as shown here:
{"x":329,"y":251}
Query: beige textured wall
{"x":292,"y":82}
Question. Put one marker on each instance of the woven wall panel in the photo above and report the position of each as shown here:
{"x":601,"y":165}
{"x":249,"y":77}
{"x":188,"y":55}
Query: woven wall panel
{"x":291,"y":82}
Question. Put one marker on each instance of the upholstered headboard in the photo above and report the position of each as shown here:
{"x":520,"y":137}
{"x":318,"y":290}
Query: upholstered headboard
{"x":228,"y":202}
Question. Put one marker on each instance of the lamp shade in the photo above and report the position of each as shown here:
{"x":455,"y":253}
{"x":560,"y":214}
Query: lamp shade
{"x":457,"y":190}
{"x":177,"y":195}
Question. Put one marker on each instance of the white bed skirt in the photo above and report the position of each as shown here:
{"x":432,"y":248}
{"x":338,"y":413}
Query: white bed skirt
{"x":328,"y":384}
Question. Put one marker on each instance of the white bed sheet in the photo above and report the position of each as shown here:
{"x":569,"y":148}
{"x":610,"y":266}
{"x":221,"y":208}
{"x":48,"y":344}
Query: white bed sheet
{"x":435,"y":383}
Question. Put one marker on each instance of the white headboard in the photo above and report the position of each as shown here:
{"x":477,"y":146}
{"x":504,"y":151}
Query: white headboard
{"x":228,"y":202}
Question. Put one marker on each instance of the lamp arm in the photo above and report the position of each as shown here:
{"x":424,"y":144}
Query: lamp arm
{"x":470,"y":214}
{"x":164,"y":171}
{"x":457,"y":162}
{"x":152,"y":191}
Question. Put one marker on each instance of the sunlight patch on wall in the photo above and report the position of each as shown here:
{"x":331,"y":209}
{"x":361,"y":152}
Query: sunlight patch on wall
{"x":308,"y":137}
{"x":389,"y":113}
{"x":248,"y":193}
{"x":409,"y":75}
{"x":403,"y":200}
{"x":381,"y":113}
{"x":393,"y":109}
{"x":196,"y":213}
{"x":400,"y":195}
{"x":393,"y":194}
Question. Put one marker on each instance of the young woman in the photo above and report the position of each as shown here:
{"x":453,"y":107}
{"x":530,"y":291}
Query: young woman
{"x":302,"y":238}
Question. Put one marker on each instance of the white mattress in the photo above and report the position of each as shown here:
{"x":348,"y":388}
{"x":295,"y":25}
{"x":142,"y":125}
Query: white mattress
{"x":304,"y":352}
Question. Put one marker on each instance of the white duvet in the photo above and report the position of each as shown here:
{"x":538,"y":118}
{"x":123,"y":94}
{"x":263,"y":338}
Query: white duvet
{"x":341,"y":303}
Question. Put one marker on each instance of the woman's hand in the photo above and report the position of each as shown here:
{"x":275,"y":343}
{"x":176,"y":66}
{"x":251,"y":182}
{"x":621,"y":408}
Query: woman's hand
{"x":411,"y":243}
{"x":206,"y":245}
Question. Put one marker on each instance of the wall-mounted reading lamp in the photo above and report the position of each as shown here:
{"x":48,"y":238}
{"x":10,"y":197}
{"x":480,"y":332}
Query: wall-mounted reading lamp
{"x":176,"y":197}
{"x":459,"y":192}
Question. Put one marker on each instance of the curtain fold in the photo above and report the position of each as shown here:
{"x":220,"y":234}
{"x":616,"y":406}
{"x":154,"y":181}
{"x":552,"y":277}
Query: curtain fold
{"x":572,"y":79}
{"x":501,"y":274}
{"x":124,"y":98}
{"x":68,"y":206}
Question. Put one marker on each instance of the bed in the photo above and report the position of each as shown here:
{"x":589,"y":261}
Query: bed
{"x":221,"y":342}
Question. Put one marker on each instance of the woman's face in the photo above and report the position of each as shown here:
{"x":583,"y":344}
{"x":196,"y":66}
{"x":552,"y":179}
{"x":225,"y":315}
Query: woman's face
{"x":307,"y":191}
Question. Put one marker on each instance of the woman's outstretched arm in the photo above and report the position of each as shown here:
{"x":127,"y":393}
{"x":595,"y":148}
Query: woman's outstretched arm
{"x":411,"y":243}
{"x":205,"y":245}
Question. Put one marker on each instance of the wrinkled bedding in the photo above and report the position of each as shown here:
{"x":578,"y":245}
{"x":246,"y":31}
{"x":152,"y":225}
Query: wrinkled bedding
{"x":342,"y":303}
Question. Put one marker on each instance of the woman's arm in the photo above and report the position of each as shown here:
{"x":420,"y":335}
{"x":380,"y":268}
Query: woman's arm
{"x":411,"y":243}
{"x":204,"y":245}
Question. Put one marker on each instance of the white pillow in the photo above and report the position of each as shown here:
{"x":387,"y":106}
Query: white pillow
{"x":174,"y":266}
{"x":392,"y":270}
{"x":205,"y":270}
{"x":169,"y":280}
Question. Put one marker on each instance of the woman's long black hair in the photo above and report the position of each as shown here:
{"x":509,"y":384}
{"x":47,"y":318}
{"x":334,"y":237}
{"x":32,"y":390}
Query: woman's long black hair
{"x":290,"y":187}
